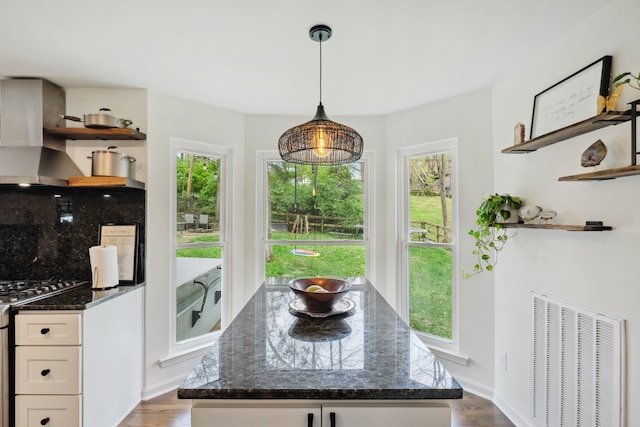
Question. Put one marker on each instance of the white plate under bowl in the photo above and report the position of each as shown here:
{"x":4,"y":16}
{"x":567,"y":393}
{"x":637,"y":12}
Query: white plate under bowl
{"x":342,"y":306}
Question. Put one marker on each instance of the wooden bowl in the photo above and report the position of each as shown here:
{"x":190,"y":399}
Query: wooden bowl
{"x":319,"y":302}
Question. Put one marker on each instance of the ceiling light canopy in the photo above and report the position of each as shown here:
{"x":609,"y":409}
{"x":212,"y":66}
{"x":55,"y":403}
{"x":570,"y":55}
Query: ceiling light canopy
{"x":320,"y":141}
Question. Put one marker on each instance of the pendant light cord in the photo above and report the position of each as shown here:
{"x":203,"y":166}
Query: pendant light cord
{"x":295,"y":203}
{"x":314,"y":169}
{"x":320,"y":69}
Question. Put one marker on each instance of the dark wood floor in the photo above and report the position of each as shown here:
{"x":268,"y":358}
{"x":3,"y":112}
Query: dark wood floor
{"x":169,"y":411}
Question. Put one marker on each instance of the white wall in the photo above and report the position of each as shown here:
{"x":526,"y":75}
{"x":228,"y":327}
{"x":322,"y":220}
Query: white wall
{"x":173,"y":117}
{"x":467,"y":118}
{"x":596,"y":270}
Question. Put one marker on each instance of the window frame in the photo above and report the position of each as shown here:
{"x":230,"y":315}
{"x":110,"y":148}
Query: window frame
{"x":178,"y":145}
{"x":262,"y":216}
{"x":404,"y":240}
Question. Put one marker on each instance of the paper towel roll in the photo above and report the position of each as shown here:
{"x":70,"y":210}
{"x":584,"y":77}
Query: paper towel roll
{"x":104,"y":266}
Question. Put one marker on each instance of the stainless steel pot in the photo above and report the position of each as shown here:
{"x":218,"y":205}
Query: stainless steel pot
{"x":132,"y":166}
{"x":102,"y":120}
{"x":110,"y":162}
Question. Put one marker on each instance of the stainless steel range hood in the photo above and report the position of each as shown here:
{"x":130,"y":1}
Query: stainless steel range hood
{"x":27,"y":154}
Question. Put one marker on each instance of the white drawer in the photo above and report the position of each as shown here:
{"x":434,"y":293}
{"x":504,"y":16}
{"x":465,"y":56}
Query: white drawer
{"x":48,"y":329}
{"x":48,"y":370}
{"x":49,"y":411}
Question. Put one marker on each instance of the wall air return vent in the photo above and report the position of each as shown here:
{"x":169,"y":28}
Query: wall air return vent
{"x":577,"y":365}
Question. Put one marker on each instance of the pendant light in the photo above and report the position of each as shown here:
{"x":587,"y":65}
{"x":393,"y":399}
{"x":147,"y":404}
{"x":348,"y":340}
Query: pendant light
{"x":320,"y":141}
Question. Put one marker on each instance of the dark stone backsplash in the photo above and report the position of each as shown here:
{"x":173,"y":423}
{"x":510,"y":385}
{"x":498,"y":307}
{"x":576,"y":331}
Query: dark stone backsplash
{"x":46,"y":232}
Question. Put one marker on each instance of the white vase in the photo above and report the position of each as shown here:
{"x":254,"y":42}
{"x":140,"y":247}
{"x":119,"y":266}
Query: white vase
{"x":513,"y":218}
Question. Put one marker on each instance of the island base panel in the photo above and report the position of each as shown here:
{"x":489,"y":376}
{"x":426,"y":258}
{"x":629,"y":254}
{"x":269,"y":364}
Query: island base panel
{"x":297,"y":414}
{"x":431,"y":414}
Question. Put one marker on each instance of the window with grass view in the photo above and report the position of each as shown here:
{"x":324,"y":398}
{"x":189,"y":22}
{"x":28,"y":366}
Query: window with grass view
{"x":429,"y":238}
{"x":198,"y":243}
{"x":315,"y":220}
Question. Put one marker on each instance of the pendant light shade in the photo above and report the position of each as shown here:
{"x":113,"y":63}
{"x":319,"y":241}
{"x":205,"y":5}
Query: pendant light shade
{"x":320,"y":141}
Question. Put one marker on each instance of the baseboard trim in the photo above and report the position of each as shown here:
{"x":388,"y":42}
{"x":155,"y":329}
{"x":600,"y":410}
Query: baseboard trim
{"x":475,"y":387}
{"x":162,"y":388}
{"x":512,"y":414}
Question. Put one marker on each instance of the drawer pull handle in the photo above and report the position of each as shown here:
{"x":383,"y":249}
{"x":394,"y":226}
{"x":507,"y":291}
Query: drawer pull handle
{"x":332,"y":417}
{"x":44,"y":331}
{"x":44,"y":421}
{"x":44,"y":373}
{"x":309,"y":420}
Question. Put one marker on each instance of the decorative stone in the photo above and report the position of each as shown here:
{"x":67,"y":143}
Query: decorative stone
{"x":593,"y":155}
{"x":547,"y":215}
{"x":529,"y":213}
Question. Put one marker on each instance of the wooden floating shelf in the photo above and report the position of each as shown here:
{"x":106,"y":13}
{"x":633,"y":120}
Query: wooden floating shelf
{"x":594,"y":123}
{"x":603,"y":174}
{"x":560,"y":227}
{"x":104,"y":182}
{"x":101,"y":134}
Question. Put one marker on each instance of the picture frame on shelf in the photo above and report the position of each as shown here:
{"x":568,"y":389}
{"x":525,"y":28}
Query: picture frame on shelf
{"x":125,"y":238}
{"x":571,"y":100}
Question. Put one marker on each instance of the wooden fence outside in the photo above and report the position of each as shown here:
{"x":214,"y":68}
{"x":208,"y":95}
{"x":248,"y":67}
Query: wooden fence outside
{"x":348,"y":227}
{"x":288,"y":221}
{"x":422,"y":230}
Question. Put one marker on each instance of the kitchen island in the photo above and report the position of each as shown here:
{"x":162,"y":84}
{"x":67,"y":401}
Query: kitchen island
{"x":274,"y":365}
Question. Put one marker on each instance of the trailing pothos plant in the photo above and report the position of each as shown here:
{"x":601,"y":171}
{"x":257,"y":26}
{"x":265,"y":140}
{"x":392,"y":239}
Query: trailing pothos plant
{"x":490,"y":235}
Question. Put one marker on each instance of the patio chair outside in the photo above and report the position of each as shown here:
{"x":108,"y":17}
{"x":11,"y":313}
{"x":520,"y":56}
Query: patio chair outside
{"x":189,"y":219}
{"x":204,"y":221}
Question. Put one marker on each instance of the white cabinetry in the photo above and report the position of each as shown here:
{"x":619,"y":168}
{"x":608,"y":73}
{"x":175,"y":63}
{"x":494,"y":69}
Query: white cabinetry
{"x":431,"y":414}
{"x":79,"y":368}
{"x":294,"y":413}
{"x":257,"y":414}
{"x":48,"y":362}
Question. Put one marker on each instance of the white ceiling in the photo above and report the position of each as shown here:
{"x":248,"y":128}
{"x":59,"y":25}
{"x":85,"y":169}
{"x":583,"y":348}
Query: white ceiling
{"x":255,"y":56}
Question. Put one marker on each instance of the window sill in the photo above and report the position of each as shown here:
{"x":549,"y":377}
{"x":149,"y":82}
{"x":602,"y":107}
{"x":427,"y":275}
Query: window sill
{"x":450,"y":355}
{"x":197,"y":349}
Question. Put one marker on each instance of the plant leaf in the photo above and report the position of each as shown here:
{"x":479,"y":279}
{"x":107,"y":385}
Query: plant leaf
{"x":621,"y":76}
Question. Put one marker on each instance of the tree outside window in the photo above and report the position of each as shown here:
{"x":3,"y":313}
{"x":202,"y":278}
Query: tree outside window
{"x":315,"y":220}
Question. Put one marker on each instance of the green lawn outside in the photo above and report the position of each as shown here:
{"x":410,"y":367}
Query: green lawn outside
{"x":430,"y":274}
{"x":210,"y":252}
{"x":428,"y":209}
{"x":430,"y":303}
{"x":335,"y":261}
{"x":332,"y":261}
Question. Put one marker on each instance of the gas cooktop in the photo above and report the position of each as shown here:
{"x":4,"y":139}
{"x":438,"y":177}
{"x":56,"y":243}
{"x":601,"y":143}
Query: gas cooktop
{"x":21,"y":291}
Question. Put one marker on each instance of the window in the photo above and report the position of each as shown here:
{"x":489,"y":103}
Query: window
{"x":199,"y":241}
{"x":315,"y":219}
{"x":427,"y":203}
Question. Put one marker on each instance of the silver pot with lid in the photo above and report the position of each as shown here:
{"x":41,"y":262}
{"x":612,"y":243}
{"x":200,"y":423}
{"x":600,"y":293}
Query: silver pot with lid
{"x":111,"y":162}
{"x":104,"y":119}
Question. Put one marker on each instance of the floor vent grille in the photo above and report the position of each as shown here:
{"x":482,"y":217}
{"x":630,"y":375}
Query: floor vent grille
{"x":577,"y":366}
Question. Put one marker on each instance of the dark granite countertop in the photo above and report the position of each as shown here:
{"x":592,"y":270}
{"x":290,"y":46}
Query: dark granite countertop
{"x":270,"y":351}
{"x":80,"y":298}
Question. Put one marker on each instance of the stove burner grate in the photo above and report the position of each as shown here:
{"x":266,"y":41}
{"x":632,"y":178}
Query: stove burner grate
{"x":12,"y":291}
